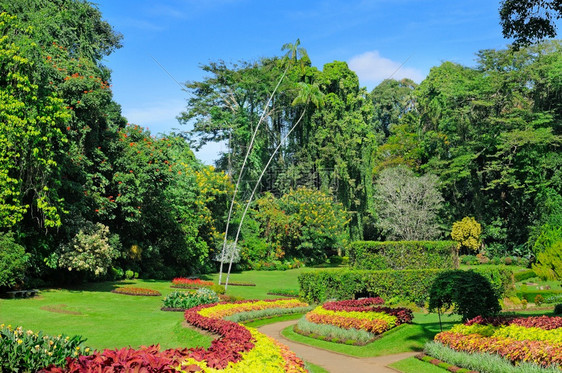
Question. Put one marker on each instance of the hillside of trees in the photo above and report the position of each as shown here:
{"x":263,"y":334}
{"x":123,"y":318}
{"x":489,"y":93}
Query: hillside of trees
{"x":85,"y":195}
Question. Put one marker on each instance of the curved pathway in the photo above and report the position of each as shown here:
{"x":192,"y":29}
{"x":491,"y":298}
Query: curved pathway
{"x":333,"y":361}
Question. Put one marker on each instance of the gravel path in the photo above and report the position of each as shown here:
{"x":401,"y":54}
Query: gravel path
{"x":332,"y":361}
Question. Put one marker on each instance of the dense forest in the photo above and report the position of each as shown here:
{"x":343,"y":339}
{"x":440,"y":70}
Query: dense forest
{"x":87,"y":195}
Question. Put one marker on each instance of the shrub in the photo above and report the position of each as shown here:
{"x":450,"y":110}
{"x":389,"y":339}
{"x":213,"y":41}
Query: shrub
{"x":407,"y":285}
{"x":470,"y":293}
{"x":13,"y":260}
{"x":558,"y":309}
{"x":530,"y":295}
{"x":88,"y":251}
{"x":136,"y":291}
{"x":399,"y":255}
{"x":467,"y":233}
{"x":469,"y":260}
{"x":539,"y":300}
{"x":524,"y":275}
{"x":186,"y":300}
{"x":129,"y":274}
{"x":26,"y":351}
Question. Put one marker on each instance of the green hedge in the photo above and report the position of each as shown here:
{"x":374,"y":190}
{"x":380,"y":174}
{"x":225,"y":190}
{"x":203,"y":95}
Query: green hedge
{"x":408,"y":285}
{"x":524,"y":275}
{"x":531,"y":294}
{"x":372,"y":255}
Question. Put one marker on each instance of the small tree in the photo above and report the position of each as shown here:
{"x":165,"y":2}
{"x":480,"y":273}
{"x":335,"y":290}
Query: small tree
{"x":549,"y":262}
{"x":89,"y":251}
{"x":408,"y":205}
{"x":469,"y":293}
{"x":13,"y":261}
{"x":467,"y":233}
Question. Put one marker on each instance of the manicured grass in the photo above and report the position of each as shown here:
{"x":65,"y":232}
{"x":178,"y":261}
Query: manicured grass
{"x":106,"y":319}
{"x":413,"y":365}
{"x":264,"y":280}
{"x":314,"y":368}
{"x":404,"y":338}
{"x":262,"y":322}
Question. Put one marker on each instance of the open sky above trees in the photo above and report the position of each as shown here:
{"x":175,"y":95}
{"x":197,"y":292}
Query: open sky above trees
{"x":374,"y":37}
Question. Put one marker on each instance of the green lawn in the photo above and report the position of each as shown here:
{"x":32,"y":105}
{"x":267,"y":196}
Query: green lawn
{"x":413,"y":365}
{"x":110,"y":320}
{"x":107,"y":320}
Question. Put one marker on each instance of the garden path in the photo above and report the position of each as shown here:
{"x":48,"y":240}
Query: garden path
{"x":332,"y":361}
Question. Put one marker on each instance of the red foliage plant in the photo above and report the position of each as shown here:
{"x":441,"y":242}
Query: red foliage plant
{"x":404,"y":315}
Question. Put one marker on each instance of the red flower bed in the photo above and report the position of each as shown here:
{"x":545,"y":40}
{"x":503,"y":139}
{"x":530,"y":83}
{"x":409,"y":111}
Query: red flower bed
{"x":373,"y":326}
{"x":541,"y":322}
{"x":404,"y":315}
{"x":191,"y":282}
{"x":136,"y":291}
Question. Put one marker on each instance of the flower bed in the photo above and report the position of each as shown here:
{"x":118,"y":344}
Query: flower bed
{"x":136,"y":291}
{"x":239,"y":348}
{"x":536,"y":340}
{"x":360,"y":315}
{"x":181,"y":301}
{"x":190,"y":283}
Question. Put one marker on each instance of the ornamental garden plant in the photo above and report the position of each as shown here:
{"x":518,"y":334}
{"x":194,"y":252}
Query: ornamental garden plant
{"x":136,"y":291}
{"x":352,"y":321}
{"x":533,"y":340}
{"x":190,"y":283}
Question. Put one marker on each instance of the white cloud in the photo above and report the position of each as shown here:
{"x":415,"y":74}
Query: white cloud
{"x":157,"y":116}
{"x":372,"y":68}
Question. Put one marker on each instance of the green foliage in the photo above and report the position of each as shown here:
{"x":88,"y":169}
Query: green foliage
{"x":467,"y":233}
{"x":13,"y":260}
{"x":549,"y":262}
{"x":89,"y":251}
{"x":303,"y":223}
{"x":501,"y":279}
{"x":27,"y":351}
{"x":186,"y":300}
{"x":482,"y":362}
{"x":407,"y":285}
{"x":557,"y":309}
{"x":328,"y":331}
{"x":524,"y":275}
{"x":266,"y":313}
{"x":401,"y":255}
{"x":470,"y":293}
{"x":530,"y":295}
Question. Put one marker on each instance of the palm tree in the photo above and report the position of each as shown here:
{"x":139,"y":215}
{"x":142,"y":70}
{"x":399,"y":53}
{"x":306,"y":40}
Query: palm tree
{"x":293,"y":51}
{"x":308,"y":93}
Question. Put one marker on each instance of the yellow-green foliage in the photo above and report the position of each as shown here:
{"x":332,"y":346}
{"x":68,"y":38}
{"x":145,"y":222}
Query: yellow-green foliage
{"x":549,"y":262}
{"x":391,"y":320}
{"x":516,"y":332}
{"x":467,"y":233}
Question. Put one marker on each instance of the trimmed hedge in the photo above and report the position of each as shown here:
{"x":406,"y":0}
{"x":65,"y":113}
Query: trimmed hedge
{"x":530,"y":295}
{"x":399,"y":255}
{"x":524,"y":275}
{"x":408,"y":285}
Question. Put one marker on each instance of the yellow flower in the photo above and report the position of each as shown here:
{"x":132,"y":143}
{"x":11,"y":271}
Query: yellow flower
{"x":20,"y":341}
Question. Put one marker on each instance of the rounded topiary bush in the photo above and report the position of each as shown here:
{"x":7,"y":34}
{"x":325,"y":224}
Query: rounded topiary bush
{"x":469,"y":293}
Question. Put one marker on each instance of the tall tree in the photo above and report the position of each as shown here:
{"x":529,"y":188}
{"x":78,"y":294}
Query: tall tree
{"x":529,"y":21}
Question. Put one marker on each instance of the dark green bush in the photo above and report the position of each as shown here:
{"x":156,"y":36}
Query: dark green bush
{"x":13,"y":261}
{"x":409,"y":285}
{"x":558,"y":309}
{"x":400,"y":255}
{"x":470,"y":293}
{"x":501,"y":279}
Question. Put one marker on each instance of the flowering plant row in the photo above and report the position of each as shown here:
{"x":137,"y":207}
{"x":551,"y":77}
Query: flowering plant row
{"x":236,"y":344}
{"x":28,"y":351}
{"x":191,"y":282}
{"x":373,"y":322}
{"x":365,"y":304}
{"x":535,"y":339}
{"x":136,"y":291}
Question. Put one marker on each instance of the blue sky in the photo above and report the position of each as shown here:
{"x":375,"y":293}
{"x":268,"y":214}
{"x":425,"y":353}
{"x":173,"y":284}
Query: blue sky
{"x":374,"y":37}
